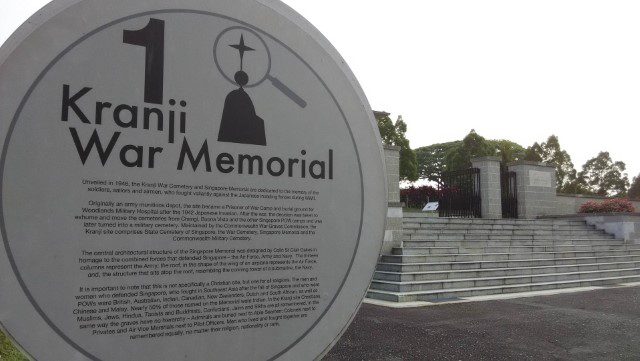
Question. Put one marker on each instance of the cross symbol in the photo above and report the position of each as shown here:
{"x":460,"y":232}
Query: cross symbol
{"x":241,"y":49}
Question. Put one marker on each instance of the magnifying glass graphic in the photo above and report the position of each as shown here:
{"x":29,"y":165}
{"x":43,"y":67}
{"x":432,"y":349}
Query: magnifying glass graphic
{"x":256,"y":63}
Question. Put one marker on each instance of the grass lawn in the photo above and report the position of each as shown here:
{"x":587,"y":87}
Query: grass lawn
{"x":8,"y":352}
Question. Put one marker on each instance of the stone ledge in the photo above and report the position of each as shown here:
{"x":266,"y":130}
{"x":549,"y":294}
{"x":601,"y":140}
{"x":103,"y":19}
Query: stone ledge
{"x":622,"y":225}
{"x":485,"y":159}
{"x":391,"y":147}
{"x":582,"y":215}
{"x":529,"y":162}
{"x":570,"y":195}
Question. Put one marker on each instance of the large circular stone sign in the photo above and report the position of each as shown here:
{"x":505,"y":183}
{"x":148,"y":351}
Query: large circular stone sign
{"x":182,"y":180}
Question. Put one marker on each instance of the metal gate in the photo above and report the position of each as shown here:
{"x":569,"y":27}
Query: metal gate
{"x":509,"y":194}
{"x":460,"y":194}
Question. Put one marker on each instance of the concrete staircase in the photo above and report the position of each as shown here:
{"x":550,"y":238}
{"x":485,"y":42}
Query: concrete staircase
{"x":449,"y":258}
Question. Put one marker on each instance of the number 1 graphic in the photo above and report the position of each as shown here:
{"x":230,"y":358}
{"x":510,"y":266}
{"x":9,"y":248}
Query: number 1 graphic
{"x":151,"y":37}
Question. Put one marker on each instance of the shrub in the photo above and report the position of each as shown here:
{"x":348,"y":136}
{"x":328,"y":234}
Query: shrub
{"x":417,"y":197}
{"x":614,"y":205}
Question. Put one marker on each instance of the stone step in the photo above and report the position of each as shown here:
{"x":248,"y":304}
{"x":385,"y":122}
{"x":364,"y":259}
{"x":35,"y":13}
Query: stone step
{"x":496,"y":227}
{"x":522,"y":242}
{"x":506,"y":249}
{"x":499,"y":272}
{"x":454,"y":266}
{"x":463,"y":257}
{"x":443,"y":258}
{"x":431,"y":218}
{"x":550,"y":227}
{"x":448,"y":294}
{"x":409,"y":217}
{"x":411,"y":286}
{"x":503,"y":232}
{"x":479,"y":237}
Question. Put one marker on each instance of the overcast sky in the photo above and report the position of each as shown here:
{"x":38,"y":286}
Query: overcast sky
{"x":517,"y":70}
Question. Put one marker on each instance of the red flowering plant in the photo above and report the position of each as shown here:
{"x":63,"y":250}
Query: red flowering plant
{"x":417,"y":197}
{"x":614,"y":205}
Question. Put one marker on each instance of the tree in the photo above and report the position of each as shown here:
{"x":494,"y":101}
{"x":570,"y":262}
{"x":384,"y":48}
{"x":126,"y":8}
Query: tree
{"x":534,"y":153}
{"x":634,"y":190}
{"x":387,"y":129}
{"x":436,"y":158}
{"x":507,"y":150}
{"x":431,"y":159}
{"x":395,"y":134}
{"x":551,"y":153}
{"x":604,"y":177}
{"x":472,"y":146}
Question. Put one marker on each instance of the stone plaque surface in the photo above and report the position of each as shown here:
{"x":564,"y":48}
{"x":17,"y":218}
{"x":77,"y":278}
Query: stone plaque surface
{"x":540,"y":179}
{"x":183,"y":180}
{"x":430,"y":207}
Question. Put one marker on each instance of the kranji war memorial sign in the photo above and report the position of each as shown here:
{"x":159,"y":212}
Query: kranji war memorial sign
{"x":182,"y":180}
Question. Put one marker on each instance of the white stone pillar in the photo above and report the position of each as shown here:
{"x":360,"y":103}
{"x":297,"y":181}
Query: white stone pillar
{"x":490,"y":194}
{"x":393,"y":231}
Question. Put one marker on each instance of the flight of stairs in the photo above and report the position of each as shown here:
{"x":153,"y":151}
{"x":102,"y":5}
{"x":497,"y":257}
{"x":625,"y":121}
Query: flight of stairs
{"x":450,"y":258}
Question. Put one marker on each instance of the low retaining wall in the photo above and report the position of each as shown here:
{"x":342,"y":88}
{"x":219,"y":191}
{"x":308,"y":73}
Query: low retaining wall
{"x":623,"y":225}
{"x":570,"y":203}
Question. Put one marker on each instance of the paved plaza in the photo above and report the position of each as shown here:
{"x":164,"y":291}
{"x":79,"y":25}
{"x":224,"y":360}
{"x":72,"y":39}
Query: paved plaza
{"x":602,"y":324}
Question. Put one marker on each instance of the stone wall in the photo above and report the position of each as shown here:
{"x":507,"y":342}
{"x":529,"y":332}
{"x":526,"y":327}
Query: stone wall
{"x":570,"y":203}
{"x":625,"y":226}
{"x":536,"y":189}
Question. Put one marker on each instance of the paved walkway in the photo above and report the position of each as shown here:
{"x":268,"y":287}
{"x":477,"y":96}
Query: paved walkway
{"x":595,"y":325}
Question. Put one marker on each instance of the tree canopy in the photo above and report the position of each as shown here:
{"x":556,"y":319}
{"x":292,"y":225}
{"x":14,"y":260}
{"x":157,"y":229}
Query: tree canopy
{"x":634,"y":190}
{"x":472,"y":146}
{"x":437,"y":158}
{"x":432,"y":158}
{"x":602,"y":176}
{"x":395,"y":134}
{"x":551,"y":153}
{"x":507,"y":150}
